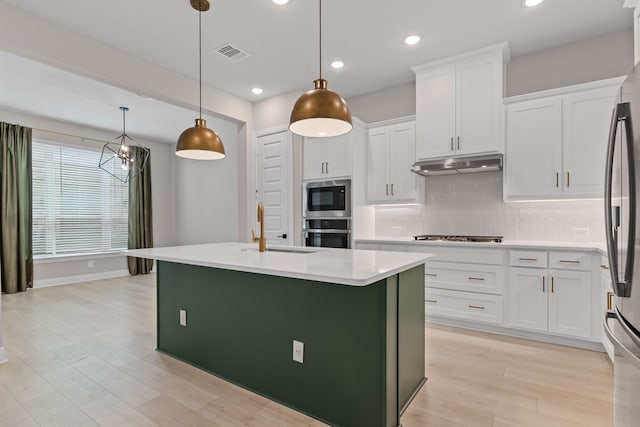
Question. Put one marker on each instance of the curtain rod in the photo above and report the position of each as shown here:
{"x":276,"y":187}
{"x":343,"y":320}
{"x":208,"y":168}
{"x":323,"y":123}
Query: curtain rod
{"x":83,"y":138}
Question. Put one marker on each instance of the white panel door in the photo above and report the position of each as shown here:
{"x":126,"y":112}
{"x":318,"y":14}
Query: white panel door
{"x":338,"y":157}
{"x":435,"y":111}
{"x":378,"y":142}
{"x":528,"y":289}
{"x":476,"y":107}
{"x":402,"y":153}
{"x":586,"y":118}
{"x":533,"y":152}
{"x":570,"y":303}
{"x":274,"y":187}
{"x":314,"y":158}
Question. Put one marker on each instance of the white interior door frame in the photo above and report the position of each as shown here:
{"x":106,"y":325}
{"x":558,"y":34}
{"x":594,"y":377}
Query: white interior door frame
{"x":258,"y":186}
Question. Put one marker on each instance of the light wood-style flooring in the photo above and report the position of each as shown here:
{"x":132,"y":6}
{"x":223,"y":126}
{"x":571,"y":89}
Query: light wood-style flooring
{"x":83,"y":355}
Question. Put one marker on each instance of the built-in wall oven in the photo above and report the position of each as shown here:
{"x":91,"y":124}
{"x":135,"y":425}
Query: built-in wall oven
{"x":327,"y":214}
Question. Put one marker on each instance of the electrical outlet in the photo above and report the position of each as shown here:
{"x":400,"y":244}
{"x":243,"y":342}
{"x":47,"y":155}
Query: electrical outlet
{"x":183,"y":317}
{"x":298,"y":351}
{"x":90,"y":264}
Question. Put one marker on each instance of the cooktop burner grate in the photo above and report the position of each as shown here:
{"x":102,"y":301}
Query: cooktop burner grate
{"x":453,"y":238}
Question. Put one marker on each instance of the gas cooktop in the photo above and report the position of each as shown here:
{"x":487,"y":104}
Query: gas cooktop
{"x":451,"y":238}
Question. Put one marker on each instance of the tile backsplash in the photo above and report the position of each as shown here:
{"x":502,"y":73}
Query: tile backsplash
{"x":472,"y":204}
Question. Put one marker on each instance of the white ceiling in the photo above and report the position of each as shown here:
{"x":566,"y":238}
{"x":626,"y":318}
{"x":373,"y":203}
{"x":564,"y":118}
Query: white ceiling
{"x":41,"y":90}
{"x":366,"y":34}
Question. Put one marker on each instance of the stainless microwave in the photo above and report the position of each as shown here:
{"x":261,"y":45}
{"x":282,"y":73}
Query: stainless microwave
{"x":327,"y":199}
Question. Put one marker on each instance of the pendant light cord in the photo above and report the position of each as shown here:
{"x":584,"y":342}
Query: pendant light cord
{"x":320,"y":37}
{"x":200,"y":54}
{"x":124,"y":127}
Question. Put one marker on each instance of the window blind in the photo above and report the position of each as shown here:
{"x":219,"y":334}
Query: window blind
{"x":77,"y":207}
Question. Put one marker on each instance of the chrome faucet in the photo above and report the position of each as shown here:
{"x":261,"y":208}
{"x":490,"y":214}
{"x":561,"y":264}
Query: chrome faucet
{"x":262,"y":241}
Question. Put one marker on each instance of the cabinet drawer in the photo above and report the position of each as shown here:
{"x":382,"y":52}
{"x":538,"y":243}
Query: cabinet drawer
{"x":465,"y":277}
{"x":462,"y":254}
{"x":570,"y":260}
{"x":528,"y":259}
{"x":464,"y":305}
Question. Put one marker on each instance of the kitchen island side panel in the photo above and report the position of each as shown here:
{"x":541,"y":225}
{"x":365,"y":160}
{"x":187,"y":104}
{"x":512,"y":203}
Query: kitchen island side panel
{"x":240,"y":326}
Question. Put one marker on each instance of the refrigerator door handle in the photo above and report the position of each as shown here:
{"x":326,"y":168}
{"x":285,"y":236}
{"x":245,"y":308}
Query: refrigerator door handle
{"x":626,"y":353}
{"x":622,"y":113}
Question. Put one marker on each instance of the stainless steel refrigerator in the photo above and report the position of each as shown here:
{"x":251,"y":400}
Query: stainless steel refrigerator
{"x":622,"y":221}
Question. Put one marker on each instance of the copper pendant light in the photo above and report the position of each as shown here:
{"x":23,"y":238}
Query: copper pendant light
{"x":200,"y":142}
{"x":320,"y":112}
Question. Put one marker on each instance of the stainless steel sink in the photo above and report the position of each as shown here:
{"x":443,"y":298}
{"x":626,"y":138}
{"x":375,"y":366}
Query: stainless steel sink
{"x":285,"y":250}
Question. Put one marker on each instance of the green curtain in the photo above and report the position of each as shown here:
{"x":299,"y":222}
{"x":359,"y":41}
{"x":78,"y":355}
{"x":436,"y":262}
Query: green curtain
{"x":16,"y":255}
{"x":140,"y":219}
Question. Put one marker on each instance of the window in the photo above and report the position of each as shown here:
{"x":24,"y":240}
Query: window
{"x":77,"y":207}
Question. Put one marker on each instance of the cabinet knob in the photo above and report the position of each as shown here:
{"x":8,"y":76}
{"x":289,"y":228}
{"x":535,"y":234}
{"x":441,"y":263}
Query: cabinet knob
{"x":282,"y":236}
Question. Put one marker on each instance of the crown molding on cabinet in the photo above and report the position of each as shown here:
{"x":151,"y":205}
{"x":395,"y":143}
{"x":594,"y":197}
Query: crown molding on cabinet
{"x":564,"y":90}
{"x":389,"y":122}
{"x":506,"y":56}
{"x":631,"y":3}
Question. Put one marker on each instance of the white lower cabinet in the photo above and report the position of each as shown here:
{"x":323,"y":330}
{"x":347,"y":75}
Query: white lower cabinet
{"x":553,"y":300}
{"x":464,"y":305}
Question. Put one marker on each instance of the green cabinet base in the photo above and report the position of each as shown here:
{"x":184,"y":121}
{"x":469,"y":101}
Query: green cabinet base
{"x":363,"y":346}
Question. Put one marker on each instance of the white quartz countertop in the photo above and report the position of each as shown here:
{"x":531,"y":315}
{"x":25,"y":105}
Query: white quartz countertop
{"x":507,"y":244}
{"x":341,"y":266}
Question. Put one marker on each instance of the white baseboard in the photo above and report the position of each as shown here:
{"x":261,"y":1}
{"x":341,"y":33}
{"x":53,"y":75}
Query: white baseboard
{"x":3,"y":356}
{"x":518,"y":333}
{"x":67,"y":280}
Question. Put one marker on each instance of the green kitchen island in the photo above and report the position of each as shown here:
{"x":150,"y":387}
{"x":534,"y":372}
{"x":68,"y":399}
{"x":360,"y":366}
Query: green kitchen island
{"x":359,"y":315}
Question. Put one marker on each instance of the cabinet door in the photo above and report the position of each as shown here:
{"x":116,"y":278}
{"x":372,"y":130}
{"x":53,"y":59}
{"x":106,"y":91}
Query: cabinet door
{"x":477,"y":102}
{"x":338,"y":156}
{"x":586,"y":118}
{"x":570,"y":303}
{"x":528,"y":298}
{"x":314,"y":158}
{"x":533,"y":158}
{"x":378,"y":165}
{"x":401,"y":156}
{"x":435,"y":112}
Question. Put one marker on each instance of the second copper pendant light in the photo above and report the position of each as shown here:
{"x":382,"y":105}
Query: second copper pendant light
{"x":320,"y":112}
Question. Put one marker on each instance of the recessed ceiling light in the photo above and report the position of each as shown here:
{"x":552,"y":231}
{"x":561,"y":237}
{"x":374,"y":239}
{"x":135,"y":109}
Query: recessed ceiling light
{"x":280,"y":2}
{"x":257,"y":90}
{"x":337,"y":64}
{"x":411,"y":40}
{"x":531,"y":3}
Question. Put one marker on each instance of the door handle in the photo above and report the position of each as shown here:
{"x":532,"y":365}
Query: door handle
{"x":283,"y":236}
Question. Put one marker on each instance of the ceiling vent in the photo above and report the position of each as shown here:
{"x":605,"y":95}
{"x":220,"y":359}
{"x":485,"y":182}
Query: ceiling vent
{"x":231,"y":52}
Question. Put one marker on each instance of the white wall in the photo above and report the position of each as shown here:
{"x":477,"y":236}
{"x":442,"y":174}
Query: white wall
{"x":207,"y":195}
{"x":472,"y":204}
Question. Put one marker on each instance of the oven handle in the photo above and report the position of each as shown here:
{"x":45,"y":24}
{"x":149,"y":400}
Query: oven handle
{"x":628,"y":354}
{"x":326,"y":231}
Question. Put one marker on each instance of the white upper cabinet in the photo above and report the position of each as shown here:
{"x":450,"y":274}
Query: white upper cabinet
{"x":328,"y":157}
{"x":556,"y":142}
{"x":458,"y":104}
{"x":390,"y":154}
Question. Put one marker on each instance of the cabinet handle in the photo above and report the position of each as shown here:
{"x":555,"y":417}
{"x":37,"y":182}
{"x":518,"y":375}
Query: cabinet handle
{"x":528,"y":259}
{"x":327,"y":167}
{"x":387,"y":189}
{"x":451,"y":143}
{"x":552,"y":284}
{"x":557,"y":179}
{"x":431,"y":274}
{"x":568,"y":176}
{"x":476,"y":278}
{"x":542,"y":283}
{"x":609,"y":301}
{"x":458,"y":143}
{"x":477,"y":307}
{"x":392,"y":189}
{"x":569,"y":261}
{"x":604,"y":267}
{"x":432,"y":301}
{"x":322,"y":168}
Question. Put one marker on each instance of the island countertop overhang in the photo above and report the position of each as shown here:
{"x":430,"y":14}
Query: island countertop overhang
{"x":352,"y":267}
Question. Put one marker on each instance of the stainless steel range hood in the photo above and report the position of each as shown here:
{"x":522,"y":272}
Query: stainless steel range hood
{"x":469,"y":164}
